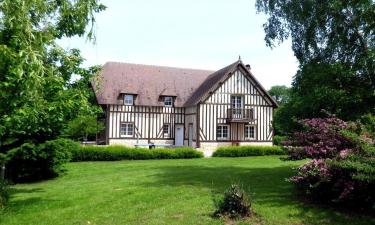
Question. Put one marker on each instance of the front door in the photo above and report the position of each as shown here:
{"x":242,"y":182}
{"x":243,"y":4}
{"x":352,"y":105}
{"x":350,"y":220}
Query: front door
{"x":179,"y":135}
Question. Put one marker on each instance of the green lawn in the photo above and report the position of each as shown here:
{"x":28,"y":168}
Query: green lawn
{"x":164,"y":192}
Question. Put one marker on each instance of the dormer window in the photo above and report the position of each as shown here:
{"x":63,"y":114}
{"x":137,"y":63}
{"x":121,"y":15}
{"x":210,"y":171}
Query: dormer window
{"x":168,"y":101}
{"x":128,"y":99}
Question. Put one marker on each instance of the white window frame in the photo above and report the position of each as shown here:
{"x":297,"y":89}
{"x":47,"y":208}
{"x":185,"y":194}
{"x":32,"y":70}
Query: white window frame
{"x":222,"y":137}
{"x":236,"y":101}
{"x":127,"y":102}
{"x":168,"y":99}
{"x":126,"y":131}
{"x":168,"y":131}
{"x":246,"y":132}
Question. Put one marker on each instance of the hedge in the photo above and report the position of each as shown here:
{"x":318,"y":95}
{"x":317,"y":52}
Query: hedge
{"x":244,"y":151}
{"x":113,"y":153}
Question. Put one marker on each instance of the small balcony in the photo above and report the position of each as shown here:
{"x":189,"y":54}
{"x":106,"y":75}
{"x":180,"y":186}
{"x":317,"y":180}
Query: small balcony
{"x":239,"y":115}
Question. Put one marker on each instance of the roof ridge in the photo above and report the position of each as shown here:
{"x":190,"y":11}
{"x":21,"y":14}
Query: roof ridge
{"x":170,"y":67}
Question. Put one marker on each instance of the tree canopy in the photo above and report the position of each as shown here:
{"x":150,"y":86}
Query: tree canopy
{"x":280,"y":93}
{"x":334,"y":42}
{"x":37,"y":95}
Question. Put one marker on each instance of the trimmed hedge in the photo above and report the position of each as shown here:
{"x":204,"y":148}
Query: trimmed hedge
{"x":249,"y":150}
{"x":113,"y":153}
{"x":31,"y":162}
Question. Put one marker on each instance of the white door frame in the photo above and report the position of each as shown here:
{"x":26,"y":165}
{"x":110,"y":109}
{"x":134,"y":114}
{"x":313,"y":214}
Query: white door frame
{"x":179,"y":135}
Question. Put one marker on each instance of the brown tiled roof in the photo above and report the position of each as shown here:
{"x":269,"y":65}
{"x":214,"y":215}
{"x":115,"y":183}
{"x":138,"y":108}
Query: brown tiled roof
{"x":210,"y":84}
{"x":147,"y":82}
{"x":217,"y":78}
{"x":189,"y":86}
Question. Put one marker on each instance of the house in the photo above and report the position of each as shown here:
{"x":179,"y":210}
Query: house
{"x":183,"y":107}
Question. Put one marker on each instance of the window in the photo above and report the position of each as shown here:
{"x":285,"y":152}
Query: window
{"x":249,"y":132}
{"x":126,"y":129}
{"x":236,"y":101}
{"x":168,"y":101}
{"x":222,"y":132}
{"x":166,"y":130}
{"x":128,"y":100}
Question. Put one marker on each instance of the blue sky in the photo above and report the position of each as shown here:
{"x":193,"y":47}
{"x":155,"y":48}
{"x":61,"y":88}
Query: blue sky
{"x":202,"y":34}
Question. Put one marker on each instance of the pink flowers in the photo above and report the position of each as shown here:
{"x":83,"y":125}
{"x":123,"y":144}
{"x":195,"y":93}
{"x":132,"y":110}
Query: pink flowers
{"x":320,"y":139}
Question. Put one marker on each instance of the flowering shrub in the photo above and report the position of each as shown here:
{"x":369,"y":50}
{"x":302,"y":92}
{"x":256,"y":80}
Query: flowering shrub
{"x":320,"y":139}
{"x":342,"y":168}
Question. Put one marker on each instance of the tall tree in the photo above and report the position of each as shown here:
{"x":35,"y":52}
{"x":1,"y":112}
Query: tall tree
{"x":36,"y":94}
{"x":334,"y":42}
{"x":280,"y":93}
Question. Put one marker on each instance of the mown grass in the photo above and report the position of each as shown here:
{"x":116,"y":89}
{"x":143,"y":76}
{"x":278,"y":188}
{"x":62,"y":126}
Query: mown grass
{"x":165,"y":192}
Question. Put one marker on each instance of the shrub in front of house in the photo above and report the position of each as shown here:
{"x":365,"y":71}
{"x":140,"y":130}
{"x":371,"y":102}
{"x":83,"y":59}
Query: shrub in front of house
{"x":234,"y":204}
{"x":31,"y":162}
{"x":248,"y":150}
{"x":278,"y":140}
{"x":113,"y":153}
{"x":342,"y":166}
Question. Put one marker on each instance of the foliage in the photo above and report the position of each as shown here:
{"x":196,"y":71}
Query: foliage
{"x":277,"y":139}
{"x":248,"y":150}
{"x":168,"y":192}
{"x":321,"y":138}
{"x":343,"y":166}
{"x":4,"y":194}
{"x":335,"y":45}
{"x":334,"y":31}
{"x":113,"y":153}
{"x":37,"y":91}
{"x":31,"y":162}
{"x":83,"y":127}
{"x":280,"y":93}
{"x":234,"y":204}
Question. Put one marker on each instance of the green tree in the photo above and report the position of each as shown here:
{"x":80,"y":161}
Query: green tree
{"x":334,"y":42}
{"x":280,"y":93}
{"x":83,"y":127}
{"x":37,"y":95}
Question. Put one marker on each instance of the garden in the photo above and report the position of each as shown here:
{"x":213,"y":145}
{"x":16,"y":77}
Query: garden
{"x":321,"y":169}
{"x":176,"y":191}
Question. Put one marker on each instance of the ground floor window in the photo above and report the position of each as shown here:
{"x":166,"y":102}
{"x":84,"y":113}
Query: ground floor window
{"x":249,"y":132}
{"x":222,"y":132}
{"x":166,"y":130}
{"x":127,"y":129}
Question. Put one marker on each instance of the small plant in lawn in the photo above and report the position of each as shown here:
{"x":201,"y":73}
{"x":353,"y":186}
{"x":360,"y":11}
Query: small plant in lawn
{"x":234,"y":204}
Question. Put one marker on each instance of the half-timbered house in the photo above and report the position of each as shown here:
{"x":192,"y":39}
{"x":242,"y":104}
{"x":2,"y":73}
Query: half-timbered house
{"x":184,"y":107}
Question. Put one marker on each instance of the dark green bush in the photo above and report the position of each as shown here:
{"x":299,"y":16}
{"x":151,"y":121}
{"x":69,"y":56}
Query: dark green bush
{"x":32,"y":163}
{"x":234,"y":204}
{"x":248,"y":150}
{"x":117,"y":152}
{"x":4,"y":193}
{"x":278,"y":139}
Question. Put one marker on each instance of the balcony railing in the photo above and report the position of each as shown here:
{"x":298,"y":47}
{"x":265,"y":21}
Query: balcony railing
{"x":240,"y":115}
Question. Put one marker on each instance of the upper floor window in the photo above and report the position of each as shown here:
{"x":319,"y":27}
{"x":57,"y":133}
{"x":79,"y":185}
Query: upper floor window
{"x":168,"y":101}
{"x":222,"y":132}
{"x":249,"y":132}
{"x":127,"y":129}
{"x":128,"y":99}
{"x":236,"y":101}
